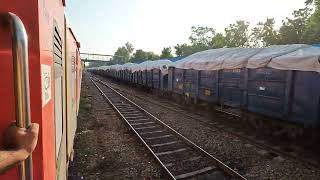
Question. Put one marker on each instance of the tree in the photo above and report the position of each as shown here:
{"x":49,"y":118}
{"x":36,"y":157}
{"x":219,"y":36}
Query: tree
{"x":237,"y":34}
{"x":122,"y":55}
{"x":166,"y":53}
{"x":264,"y":34}
{"x":293,"y":30}
{"x":315,"y":2}
{"x":255,"y":36}
{"x":184,"y":49}
{"x":202,"y":36}
{"x":312,"y":29}
{"x":152,"y":56}
{"x":179,"y":48}
{"x":218,"y":41}
{"x":129,"y":47}
{"x":139,"y":55}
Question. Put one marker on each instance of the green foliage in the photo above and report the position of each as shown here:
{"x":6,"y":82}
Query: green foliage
{"x":255,"y":36}
{"x":129,"y":47}
{"x":166,"y":53}
{"x":183,"y":49}
{"x":315,"y":2}
{"x":201,"y":36}
{"x":312,"y":29}
{"x":292,"y":30}
{"x":122,"y":55}
{"x":152,"y":56}
{"x":141,"y":55}
{"x":264,"y":34}
{"x":237,"y":34}
{"x":218,"y":41}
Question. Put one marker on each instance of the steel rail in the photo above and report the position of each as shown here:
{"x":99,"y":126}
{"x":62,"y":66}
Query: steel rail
{"x":220,"y":164}
{"x":144,"y":143}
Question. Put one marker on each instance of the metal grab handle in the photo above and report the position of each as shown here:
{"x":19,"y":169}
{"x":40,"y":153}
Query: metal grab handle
{"x":21,"y":80}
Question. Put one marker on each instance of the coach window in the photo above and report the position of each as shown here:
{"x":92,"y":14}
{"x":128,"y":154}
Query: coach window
{"x":58,"y":87}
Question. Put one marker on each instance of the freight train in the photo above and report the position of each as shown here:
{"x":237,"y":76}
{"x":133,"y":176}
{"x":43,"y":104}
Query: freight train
{"x":276,"y":89}
{"x":40,"y":71}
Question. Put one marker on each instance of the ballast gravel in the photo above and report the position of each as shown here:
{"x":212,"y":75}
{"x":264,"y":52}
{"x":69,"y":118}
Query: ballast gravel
{"x":247,"y":159}
{"x":105,"y":147}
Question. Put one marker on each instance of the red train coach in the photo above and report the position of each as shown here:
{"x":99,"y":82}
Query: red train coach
{"x":47,"y":56}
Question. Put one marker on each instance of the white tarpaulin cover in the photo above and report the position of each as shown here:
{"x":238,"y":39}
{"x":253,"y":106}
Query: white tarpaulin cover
{"x":305,"y":59}
{"x":161,"y":64}
{"x":285,"y":57}
{"x":237,"y":58}
{"x":201,"y":59}
{"x":267,"y":54}
{"x":140,"y":67}
{"x":126,"y":66}
{"x":215,"y":59}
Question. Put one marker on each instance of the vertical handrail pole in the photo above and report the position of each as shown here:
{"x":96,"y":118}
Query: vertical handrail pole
{"x":21,"y":82}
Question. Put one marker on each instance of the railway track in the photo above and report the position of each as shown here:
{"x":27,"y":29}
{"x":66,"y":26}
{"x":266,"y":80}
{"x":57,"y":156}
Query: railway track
{"x":274,"y":150}
{"x":181,"y":158}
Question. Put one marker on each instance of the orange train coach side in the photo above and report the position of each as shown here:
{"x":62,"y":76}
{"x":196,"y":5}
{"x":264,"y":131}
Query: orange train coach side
{"x":54,"y":70}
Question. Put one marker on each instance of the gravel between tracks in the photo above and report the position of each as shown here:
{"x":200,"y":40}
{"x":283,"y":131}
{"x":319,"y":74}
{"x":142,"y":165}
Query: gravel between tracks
{"x":105,"y":147}
{"x":252,"y":162}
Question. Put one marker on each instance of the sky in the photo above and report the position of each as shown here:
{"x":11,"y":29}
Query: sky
{"x":102,"y":26}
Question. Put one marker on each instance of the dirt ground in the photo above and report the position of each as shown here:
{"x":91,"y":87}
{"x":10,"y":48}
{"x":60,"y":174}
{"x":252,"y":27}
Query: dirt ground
{"x":105,"y":147}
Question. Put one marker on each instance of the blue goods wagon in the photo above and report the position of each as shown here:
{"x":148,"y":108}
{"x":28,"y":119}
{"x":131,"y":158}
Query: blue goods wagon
{"x":281,"y":82}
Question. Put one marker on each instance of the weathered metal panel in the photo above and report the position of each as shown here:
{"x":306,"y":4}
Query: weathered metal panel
{"x":156,"y":78}
{"x":190,"y":82}
{"x":306,"y":98}
{"x":231,"y":87}
{"x":170,"y":78}
{"x":208,"y":86}
{"x":164,"y":84}
{"x":140,"y":81}
{"x":144,"y":78}
{"x":268,"y":91}
{"x":149,"y":78}
{"x":177,"y":82}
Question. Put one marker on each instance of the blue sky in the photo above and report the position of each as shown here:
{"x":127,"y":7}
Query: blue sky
{"x":103,"y":25}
